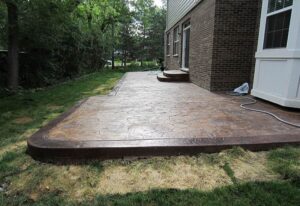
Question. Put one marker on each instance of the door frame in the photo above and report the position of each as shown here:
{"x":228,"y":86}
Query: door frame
{"x":183,"y":47}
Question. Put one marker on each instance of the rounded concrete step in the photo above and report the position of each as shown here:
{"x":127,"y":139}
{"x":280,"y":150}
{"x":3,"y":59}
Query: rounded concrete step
{"x":161,"y":77}
{"x":176,"y":74}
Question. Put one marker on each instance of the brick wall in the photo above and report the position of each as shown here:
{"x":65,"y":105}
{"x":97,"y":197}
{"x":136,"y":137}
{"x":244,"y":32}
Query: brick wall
{"x":201,"y":46}
{"x":223,"y":43}
{"x":234,"y":40}
{"x":201,"y":43}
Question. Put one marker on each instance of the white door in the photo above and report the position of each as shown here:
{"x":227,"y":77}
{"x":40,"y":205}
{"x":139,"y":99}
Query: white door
{"x":186,"y":47}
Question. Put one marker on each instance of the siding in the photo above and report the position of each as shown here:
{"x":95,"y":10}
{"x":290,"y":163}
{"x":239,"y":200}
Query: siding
{"x":177,"y":9}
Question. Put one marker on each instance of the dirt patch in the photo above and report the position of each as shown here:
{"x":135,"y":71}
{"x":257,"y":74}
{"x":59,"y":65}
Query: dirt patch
{"x":204,"y":172}
{"x":177,"y":173}
{"x":23,"y":120}
{"x":252,"y":167}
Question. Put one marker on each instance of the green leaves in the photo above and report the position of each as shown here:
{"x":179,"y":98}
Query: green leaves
{"x":67,"y":38}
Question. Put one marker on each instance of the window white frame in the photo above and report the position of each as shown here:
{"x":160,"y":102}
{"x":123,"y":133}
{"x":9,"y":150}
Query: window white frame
{"x":268,"y":14}
{"x":183,"y":46}
{"x":168,"y":44}
{"x":176,"y":41}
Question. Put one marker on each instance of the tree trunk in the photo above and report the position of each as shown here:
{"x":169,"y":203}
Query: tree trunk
{"x":13,"y":47}
{"x":143,"y":46}
{"x":122,"y":61}
{"x":125,"y":59}
{"x":113,"y":45}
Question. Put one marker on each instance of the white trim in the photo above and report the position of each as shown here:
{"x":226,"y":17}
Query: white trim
{"x":176,"y":40}
{"x":279,"y":11}
{"x":183,"y":48}
{"x":168,"y":48}
{"x":278,"y":54}
{"x":277,"y":74}
{"x":186,"y":28}
{"x":286,"y":102}
{"x":185,"y":69}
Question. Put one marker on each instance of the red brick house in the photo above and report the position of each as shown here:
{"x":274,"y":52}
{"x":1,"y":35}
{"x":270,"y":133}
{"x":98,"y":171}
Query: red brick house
{"x":217,"y":43}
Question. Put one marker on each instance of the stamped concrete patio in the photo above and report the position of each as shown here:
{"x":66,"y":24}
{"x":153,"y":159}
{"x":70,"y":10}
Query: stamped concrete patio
{"x":143,"y":117}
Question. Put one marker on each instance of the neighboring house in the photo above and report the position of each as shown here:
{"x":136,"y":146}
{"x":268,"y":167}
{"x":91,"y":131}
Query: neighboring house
{"x":219,"y":42}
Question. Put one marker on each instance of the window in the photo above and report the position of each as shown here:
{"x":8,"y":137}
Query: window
{"x":168,"y":44}
{"x":176,"y":41}
{"x":278,"y":24}
{"x":275,"y":5}
{"x":186,"y":24}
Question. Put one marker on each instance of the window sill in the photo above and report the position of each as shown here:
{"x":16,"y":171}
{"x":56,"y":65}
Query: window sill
{"x":175,"y":55}
{"x":278,"y":54}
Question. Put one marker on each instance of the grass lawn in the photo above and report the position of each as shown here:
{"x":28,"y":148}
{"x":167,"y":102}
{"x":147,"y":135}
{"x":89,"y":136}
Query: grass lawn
{"x":232,"y":177}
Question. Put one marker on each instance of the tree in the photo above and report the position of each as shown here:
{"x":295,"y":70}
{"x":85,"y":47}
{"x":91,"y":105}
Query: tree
{"x":143,"y":10}
{"x":150,"y":25}
{"x":121,"y":16}
{"x":156,"y":33}
{"x":125,"y":37}
{"x":64,"y":39}
{"x":13,"y":44}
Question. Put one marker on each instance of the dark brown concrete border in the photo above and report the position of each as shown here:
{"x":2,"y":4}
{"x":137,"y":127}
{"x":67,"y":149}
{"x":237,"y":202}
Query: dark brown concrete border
{"x":40,"y":147}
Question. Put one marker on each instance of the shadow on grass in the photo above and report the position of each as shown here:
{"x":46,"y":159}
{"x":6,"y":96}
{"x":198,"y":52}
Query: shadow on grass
{"x":254,"y":193}
{"x":286,"y":162}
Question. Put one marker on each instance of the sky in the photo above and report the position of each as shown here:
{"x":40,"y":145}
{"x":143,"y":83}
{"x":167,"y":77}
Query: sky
{"x":158,"y":3}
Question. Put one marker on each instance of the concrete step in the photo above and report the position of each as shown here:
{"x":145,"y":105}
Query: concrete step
{"x":176,"y":74}
{"x":161,"y":77}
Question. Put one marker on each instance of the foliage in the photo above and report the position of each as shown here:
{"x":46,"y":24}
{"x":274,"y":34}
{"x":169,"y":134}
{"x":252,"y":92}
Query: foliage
{"x":66,"y":39}
{"x":3,"y":16}
{"x":150,"y":25}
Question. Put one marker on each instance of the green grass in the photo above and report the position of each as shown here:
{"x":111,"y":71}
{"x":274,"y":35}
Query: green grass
{"x":255,"y":193}
{"x":286,"y":162}
{"x":41,"y":106}
{"x":230,"y":172}
{"x":29,"y":182}
{"x":45,"y":104}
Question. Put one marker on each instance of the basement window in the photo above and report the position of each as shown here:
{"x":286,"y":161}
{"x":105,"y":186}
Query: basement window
{"x":278,"y":24}
{"x":176,"y":41}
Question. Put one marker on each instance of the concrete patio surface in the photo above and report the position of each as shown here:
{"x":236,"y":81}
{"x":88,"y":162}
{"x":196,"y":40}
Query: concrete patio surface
{"x":143,"y":116}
